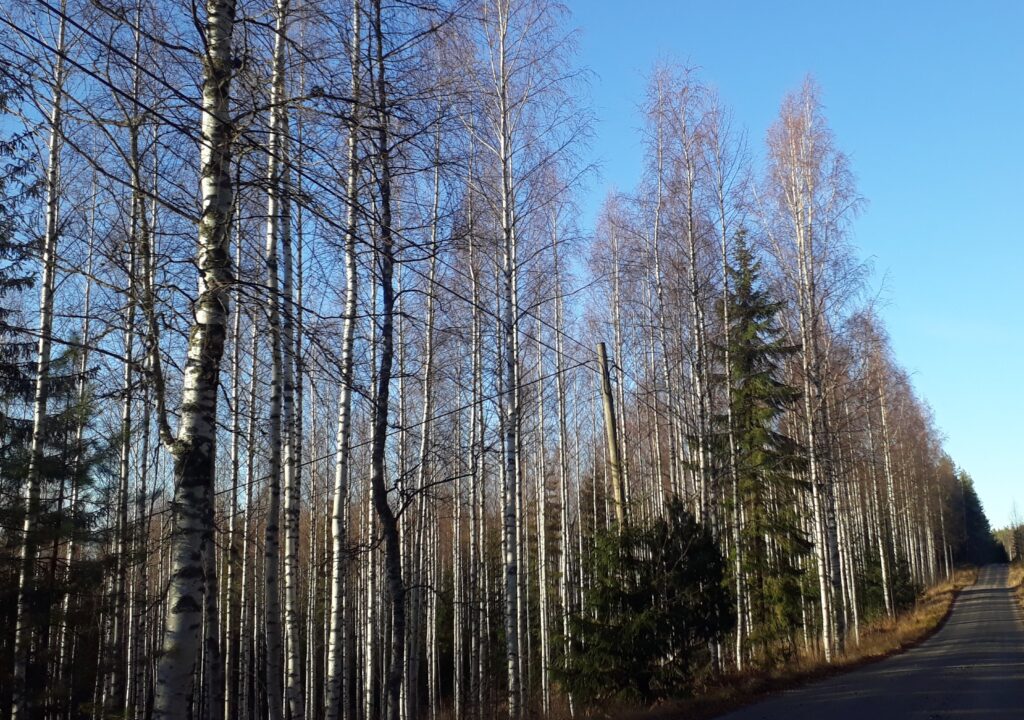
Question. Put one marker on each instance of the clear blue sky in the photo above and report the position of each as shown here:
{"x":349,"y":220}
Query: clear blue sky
{"x":928,"y":100}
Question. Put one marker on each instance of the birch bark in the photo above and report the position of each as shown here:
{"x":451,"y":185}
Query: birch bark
{"x":193,"y":448}
{"x":22,"y":701}
{"x":339,"y":539}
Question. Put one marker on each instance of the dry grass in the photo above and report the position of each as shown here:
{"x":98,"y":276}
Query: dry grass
{"x":1016,"y":580}
{"x":877,"y":640}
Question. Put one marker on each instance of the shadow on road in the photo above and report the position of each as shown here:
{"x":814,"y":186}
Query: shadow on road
{"x":972,"y":668}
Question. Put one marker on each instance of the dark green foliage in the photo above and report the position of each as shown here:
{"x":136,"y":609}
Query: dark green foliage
{"x":69,"y":466}
{"x":657,"y":599}
{"x":15,"y":278}
{"x":768,"y":463}
{"x":974,"y":543}
{"x":69,"y":462}
{"x":904,"y":590}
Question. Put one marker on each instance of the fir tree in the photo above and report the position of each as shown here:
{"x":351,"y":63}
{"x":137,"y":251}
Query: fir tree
{"x":73,"y":453}
{"x":17,"y":188}
{"x":767,"y":462}
{"x":656,"y":602}
{"x":976,"y":544}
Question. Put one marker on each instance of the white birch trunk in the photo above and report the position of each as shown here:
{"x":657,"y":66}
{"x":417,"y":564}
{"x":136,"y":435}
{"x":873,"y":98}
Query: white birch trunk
{"x":294,"y":690}
{"x":194,"y":449}
{"x":564,"y":530}
{"x":336,"y":666}
{"x":542,"y":522}
{"x":233,"y":605}
{"x":510,"y":380}
{"x":22,"y":703}
{"x":277,"y":435}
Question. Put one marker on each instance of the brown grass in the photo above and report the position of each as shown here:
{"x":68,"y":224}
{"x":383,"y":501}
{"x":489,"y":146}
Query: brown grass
{"x":1016,"y":580}
{"x":878,"y":640}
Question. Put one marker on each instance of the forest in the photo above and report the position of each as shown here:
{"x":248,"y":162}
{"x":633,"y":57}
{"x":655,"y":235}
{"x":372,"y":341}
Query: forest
{"x":320,"y":400}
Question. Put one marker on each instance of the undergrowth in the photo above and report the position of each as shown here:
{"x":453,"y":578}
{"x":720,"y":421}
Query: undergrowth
{"x":878,"y":639}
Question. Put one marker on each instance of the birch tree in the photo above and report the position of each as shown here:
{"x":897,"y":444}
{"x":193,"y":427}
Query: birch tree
{"x":336,"y":668}
{"x":193,"y":447}
{"x":413,"y":480}
{"x":814,"y":194}
{"x":23,"y":705}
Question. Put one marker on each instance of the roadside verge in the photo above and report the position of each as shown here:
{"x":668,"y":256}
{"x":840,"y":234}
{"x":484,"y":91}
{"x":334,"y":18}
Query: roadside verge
{"x":1016,"y":581}
{"x":878,"y":640}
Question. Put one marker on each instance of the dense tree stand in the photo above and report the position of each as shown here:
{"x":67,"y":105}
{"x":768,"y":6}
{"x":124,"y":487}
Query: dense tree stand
{"x":319,"y":402}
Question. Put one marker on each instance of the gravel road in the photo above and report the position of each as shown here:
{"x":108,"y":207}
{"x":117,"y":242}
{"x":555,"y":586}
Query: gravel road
{"x":972,"y":668}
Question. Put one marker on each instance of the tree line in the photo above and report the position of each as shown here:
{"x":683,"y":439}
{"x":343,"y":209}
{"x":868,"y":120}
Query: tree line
{"x":303,"y":410}
{"x":1011,"y":537}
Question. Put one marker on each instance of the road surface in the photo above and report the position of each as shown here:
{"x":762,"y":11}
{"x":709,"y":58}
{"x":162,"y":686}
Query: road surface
{"x":972,"y":668}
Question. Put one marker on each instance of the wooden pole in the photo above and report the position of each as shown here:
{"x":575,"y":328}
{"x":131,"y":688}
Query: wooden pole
{"x":612,"y":433}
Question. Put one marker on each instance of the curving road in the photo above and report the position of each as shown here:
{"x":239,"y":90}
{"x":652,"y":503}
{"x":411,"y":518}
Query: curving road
{"x":972,"y":668}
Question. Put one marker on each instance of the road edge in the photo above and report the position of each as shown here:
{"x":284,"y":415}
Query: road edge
{"x":746,"y":691}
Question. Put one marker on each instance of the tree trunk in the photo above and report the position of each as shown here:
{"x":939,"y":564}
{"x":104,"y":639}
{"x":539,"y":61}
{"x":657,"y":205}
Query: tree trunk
{"x":336,"y":665}
{"x":378,"y":445}
{"x":194,"y":448}
{"x":23,"y":700}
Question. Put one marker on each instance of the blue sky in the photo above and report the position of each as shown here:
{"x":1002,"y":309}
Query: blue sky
{"x":928,"y":100}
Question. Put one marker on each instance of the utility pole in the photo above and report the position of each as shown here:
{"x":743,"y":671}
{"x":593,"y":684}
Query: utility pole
{"x":614,"y":461}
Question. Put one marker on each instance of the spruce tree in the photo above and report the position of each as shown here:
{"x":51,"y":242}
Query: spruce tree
{"x":17,"y":189}
{"x":975,"y":544}
{"x":74,"y":452}
{"x":656,"y":603}
{"x":767,"y":462}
